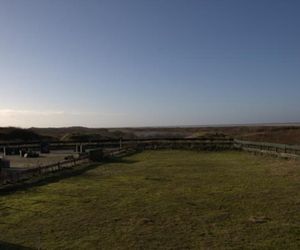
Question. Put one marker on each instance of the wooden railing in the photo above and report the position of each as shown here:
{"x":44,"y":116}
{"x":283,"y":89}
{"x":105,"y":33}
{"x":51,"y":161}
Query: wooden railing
{"x":114,"y":143}
{"x":196,"y":144}
{"x":11,"y":176}
{"x":287,"y":151}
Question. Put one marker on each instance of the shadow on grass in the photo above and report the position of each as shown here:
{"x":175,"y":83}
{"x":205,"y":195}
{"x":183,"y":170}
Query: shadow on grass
{"x":121,"y":160}
{"x":57,"y":176}
{"x":11,"y":246}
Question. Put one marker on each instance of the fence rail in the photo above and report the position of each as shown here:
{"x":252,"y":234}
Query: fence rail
{"x":113,"y":143}
{"x":11,"y":176}
{"x":287,"y":151}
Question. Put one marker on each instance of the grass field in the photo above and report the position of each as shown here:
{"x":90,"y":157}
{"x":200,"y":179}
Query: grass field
{"x":161,"y":200}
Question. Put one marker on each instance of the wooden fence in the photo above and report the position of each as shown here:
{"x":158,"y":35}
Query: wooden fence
{"x":8,"y":176}
{"x":274,"y":149}
{"x":13,"y":175}
{"x":202,"y":143}
{"x":196,"y":144}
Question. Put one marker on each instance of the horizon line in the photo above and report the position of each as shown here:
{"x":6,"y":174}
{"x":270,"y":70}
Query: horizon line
{"x":264,"y":124}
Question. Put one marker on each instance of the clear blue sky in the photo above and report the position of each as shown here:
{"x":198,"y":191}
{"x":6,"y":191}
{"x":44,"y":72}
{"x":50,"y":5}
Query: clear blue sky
{"x":149,"y":63}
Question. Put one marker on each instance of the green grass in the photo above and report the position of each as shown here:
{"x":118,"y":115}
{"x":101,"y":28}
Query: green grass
{"x":162,"y":200}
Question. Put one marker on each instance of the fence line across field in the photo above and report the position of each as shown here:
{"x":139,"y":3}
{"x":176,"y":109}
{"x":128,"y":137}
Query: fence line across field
{"x":9,"y":176}
{"x":79,"y":146}
{"x":12,"y":176}
{"x":122,"y":148}
{"x":284,"y":148}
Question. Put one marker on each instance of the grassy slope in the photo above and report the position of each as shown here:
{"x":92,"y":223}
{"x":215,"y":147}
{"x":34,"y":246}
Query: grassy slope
{"x":162,"y":200}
